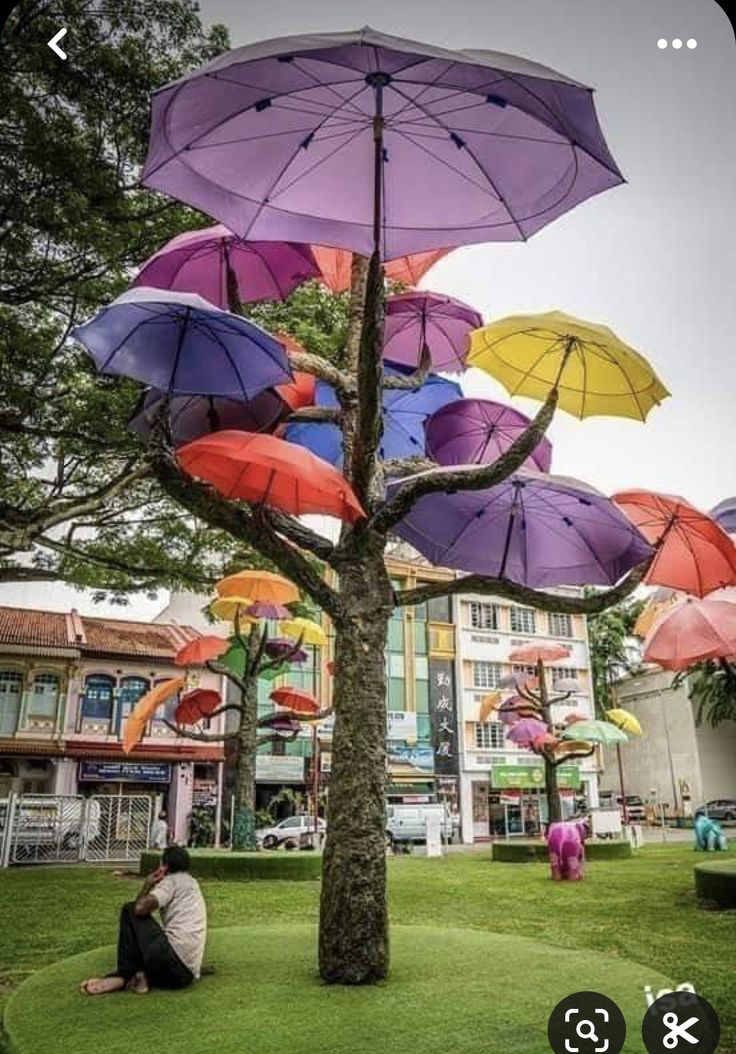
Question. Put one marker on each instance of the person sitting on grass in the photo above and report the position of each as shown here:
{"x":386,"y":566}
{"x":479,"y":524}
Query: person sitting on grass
{"x":159,"y":956}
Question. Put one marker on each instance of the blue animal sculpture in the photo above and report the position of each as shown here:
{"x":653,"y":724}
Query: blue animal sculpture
{"x":709,"y":836}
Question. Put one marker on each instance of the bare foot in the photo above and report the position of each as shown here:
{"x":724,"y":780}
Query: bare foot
{"x":138,"y":984}
{"x":102,"y":985}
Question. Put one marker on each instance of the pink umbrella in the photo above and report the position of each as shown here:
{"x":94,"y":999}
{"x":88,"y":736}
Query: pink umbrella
{"x":692,"y":631}
{"x":439,"y":323}
{"x":266,"y":609}
{"x":524,"y":732}
{"x":534,"y":653}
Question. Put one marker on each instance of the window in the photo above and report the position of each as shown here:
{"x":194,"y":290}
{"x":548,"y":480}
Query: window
{"x":483,"y":616}
{"x":560,"y":625}
{"x":490,"y":735}
{"x":522,"y":620}
{"x":486,"y":674}
{"x":439,"y":609}
{"x":11,"y":692}
{"x":530,"y":671}
{"x":98,"y":699}
{"x":131,"y":689}
{"x":44,"y":695}
{"x":560,"y":673}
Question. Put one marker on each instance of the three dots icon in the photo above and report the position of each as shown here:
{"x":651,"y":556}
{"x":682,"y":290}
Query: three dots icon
{"x":663,"y":43}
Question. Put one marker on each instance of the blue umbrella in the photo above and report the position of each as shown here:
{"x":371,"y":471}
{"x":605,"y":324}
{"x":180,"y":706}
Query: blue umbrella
{"x":183,"y":345}
{"x":404,"y":414}
{"x":724,"y":513}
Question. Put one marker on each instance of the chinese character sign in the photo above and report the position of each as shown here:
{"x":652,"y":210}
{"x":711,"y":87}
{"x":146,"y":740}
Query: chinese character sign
{"x":443,"y":714}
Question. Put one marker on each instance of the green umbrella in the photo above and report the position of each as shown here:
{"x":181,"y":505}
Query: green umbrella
{"x":595,"y":732}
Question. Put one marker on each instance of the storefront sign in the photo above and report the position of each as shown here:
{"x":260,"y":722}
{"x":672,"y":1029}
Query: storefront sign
{"x":125,"y":771}
{"x":419,"y":758}
{"x":279,"y":768}
{"x":529,"y":776}
{"x":204,"y":793}
{"x":401,"y":724}
{"x":443,"y":713}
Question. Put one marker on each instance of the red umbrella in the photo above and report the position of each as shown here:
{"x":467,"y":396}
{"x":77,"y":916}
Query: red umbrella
{"x":198,"y":652}
{"x":195,"y":705}
{"x":299,"y":392}
{"x":335,"y":265}
{"x":693,"y":554}
{"x":269,"y":471}
{"x":534,"y":653}
{"x":296,"y":700}
{"x":692,"y":631}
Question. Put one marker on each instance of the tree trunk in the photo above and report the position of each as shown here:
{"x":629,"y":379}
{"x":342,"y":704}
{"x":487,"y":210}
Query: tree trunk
{"x":353,"y":938}
{"x":554,"y":804}
{"x":244,"y":819}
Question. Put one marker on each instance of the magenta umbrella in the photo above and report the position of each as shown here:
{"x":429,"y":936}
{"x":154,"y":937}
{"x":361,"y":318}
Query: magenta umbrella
{"x":192,"y":416}
{"x":267,"y":609}
{"x":366,"y":141}
{"x":526,"y":730}
{"x":478,"y":431}
{"x":439,"y":323}
{"x":218,"y":265}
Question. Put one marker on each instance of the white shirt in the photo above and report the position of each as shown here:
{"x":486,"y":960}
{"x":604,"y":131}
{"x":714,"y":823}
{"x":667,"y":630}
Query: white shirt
{"x":159,"y":834}
{"x":183,"y":917}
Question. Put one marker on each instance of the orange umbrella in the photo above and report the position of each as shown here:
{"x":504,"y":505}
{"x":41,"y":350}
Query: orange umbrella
{"x":261,"y":586}
{"x":534,"y":653}
{"x":693,"y":554}
{"x":198,"y":652}
{"x":693,"y":631}
{"x":145,"y":708}
{"x":265,"y":470}
{"x":335,"y":265}
{"x":487,"y":705}
{"x":296,"y":700}
{"x":299,"y":392}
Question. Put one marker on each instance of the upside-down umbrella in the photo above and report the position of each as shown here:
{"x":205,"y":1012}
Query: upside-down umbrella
{"x":265,"y":470}
{"x":692,"y":631}
{"x":268,"y":610}
{"x":404,"y":415}
{"x":221,"y":267}
{"x":145,"y":708}
{"x":526,"y":730}
{"x":192,"y":416}
{"x":625,"y":720}
{"x":296,"y":700}
{"x":479,"y":431}
{"x":693,"y":553}
{"x":532,"y":529}
{"x":534,"y":653}
{"x":592,"y":368}
{"x":724,"y":513}
{"x":363,"y":140}
{"x":595,"y":732}
{"x":199,"y":703}
{"x":335,"y":267}
{"x":441,"y":324}
{"x":183,"y":345}
{"x":310,"y":632}
{"x":259,"y":585}
{"x":201,"y":650}
{"x":281,"y":648}
{"x":572,"y":746}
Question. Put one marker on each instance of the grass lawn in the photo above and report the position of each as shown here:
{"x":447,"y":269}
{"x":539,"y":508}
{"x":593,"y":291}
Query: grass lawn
{"x":642,"y":910}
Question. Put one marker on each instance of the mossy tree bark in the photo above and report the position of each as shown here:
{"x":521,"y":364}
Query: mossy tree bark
{"x":244,"y":818}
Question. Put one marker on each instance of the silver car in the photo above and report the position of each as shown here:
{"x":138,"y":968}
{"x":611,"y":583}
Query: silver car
{"x":294,"y":832}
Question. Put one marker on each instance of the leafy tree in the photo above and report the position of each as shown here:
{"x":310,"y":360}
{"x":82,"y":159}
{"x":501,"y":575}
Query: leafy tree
{"x":608,"y":632}
{"x":712,"y":688}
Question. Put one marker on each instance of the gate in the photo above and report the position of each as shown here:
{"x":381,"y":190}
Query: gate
{"x":52,"y":828}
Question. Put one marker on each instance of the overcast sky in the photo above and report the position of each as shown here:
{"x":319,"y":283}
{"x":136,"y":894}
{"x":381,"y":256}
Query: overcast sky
{"x":654,"y":259}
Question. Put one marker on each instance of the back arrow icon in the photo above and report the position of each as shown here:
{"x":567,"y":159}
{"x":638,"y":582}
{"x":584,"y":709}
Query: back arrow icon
{"x":54,"y":43}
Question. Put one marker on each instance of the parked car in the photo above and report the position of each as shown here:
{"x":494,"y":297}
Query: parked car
{"x":634,"y":806}
{"x":292,"y":833}
{"x":408,"y":823}
{"x":718,"y":809}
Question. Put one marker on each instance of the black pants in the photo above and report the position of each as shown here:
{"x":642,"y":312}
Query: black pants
{"x":144,"y":947}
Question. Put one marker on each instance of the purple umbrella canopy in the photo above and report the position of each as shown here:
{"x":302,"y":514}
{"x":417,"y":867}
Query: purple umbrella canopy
{"x":183,"y":345}
{"x":267,"y":609}
{"x":724,"y":513}
{"x":282,"y":648}
{"x":525,"y":731}
{"x":479,"y":431}
{"x":531,"y":529}
{"x":199,"y":262}
{"x":192,"y":416}
{"x":440,"y":323}
{"x":276,"y":140}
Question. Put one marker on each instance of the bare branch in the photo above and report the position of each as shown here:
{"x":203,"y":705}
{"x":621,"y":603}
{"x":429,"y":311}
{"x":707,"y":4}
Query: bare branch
{"x":412,"y":380}
{"x":317,"y":414}
{"x":318,"y":367}
{"x":201,"y":737}
{"x":397,"y":467}
{"x":296,"y":532}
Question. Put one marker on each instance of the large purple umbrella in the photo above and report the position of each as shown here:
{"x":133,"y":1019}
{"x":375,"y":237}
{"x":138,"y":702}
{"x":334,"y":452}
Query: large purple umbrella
{"x":532,"y":529}
{"x":439,"y":323}
{"x":217,"y":264}
{"x":192,"y":416}
{"x":183,"y":345}
{"x":362,"y":140}
{"x":724,"y":513}
{"x":283,"y":648}
{"x":525,"y":731}
{"x":478,"y":431}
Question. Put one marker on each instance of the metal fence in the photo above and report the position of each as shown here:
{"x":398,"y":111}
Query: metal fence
{"x":52,"y":828}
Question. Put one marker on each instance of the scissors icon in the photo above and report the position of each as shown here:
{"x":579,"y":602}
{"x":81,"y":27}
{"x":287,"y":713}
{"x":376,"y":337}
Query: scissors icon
{"x":678,"y":1031}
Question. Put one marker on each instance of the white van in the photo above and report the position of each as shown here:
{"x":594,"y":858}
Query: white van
{"x":408,"y":823}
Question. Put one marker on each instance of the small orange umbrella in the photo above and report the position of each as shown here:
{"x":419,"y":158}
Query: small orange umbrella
{"x":265,"y":470}
{"x":692,"y":631}
{"x":534,"y":653}
{"x":145,"y":708}
{"x":693,"y":554}
{"x":296,"y":700}
{"x":300,"y":391}
{"x":488,"y":704}
{"x":198,"y":652}
{"x":261,"y":586}
{"x":335,"y":265}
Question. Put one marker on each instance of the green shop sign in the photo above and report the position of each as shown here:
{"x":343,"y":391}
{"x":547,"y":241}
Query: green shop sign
{"x":528,"y":776}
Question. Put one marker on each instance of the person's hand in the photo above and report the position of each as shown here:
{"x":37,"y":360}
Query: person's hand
{"x":155,"y":877}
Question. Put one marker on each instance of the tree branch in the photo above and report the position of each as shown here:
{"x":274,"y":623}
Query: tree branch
{"x":369,"y":423}
{"x":201,"y":737}
{"x":413,"y":380}
{"x":316,"y":414}
{"x":318,"y":367}
{"x":295,"y":532}
{"x":396,"y":467}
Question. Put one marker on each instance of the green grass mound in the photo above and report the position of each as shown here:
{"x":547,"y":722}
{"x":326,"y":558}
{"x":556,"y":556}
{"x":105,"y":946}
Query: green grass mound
{"x":716,"y":882}
{"x":223,"y":864}
{"x":528,"y":852}
{"x":460,"y":990}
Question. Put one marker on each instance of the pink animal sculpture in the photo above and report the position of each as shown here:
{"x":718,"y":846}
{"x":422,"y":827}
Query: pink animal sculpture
{"x":566,"y":846}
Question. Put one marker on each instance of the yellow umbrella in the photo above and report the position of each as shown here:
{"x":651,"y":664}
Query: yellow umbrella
{"x":625,"y":720}
{"x":596,"y":373}
{"x":263,"y":586}
{"x":145,"y":708}
{"x":226,"y":608}
{"x":487,"y":705}
{"x":311,"y":632}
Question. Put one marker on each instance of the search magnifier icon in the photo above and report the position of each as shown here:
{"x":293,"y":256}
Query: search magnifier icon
{"x":589,"y":1032}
